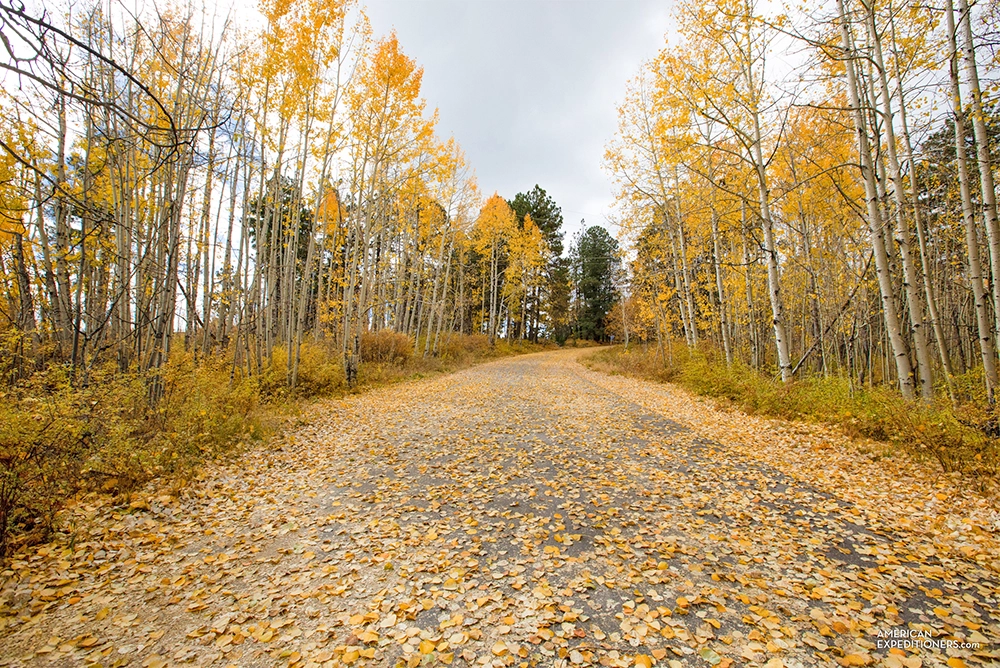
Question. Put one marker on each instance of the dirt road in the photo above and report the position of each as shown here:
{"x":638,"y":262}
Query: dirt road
{"x":525,"y":512}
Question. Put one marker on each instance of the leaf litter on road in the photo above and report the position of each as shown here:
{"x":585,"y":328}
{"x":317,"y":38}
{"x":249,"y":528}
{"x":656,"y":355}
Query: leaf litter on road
{"x":527,"y":512}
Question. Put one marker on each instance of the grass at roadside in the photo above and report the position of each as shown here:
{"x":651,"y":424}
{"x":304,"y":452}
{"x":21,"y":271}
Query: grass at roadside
{"x":63,"y":438}
{"x":960,"y":439}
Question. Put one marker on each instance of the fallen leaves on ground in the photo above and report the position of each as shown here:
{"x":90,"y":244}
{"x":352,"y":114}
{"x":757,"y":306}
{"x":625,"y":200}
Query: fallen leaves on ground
{"x":526,"y":512}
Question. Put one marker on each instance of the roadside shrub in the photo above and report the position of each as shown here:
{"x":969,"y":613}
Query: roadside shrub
{"x":201,"y":415}
{"x":456,"y":345}
{"x":320,"y":372}
{"x":58,"y":438}
{"x":44,"y":439}
{"x":386,"y":346}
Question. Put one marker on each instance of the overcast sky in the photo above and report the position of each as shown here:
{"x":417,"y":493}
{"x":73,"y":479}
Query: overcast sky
{"x":529,"y":88}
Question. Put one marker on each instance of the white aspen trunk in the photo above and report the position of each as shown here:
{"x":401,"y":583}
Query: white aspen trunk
{"x":624,"y":322}
{"x":686,"y":281}
{"x":434,"y":292}
{"x":770,"y":248}
{"x":716,"y":260}
{"x":931,"y":300}
{"x":903,"y":368}
{"x":910,"y":278}
{"x":748,"y":278}
{"x":494,"y":261}
{"x":813,"y":281}
{"x":61,"y":305}
{"x":300,"y":316}
{"x":986,"y":183}
{"x":204,"y":248}
{"x":444,"y":295}
{"x":986,"y":348}
{"x":679,"y":291}
{"x":228,"y":294}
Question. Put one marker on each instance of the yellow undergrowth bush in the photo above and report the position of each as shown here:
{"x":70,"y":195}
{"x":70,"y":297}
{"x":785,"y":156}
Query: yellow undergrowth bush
{"x":457,"y":346}
{"x":320,"y":372}
{"x":58,"y":438}
{"x":45,"y":435}
{"x":386,"y":347}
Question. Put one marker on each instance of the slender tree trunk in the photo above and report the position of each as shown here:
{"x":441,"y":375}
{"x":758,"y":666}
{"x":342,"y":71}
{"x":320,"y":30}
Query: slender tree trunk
{"x":986,"y":182}
{"x":679,"y":292}
{"x":771,"y":250}
{"x":903,"y":368}
{"x":688,"y":297}
{"x":976,"y":277}
{"x":717,"y":261}
{"x":447,"y":278}
{"x":910,"y":278}
{"x":748,"y":278}
{"x":918,"y":223}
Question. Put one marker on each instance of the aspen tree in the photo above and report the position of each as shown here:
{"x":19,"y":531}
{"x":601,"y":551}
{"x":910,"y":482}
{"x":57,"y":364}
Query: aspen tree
{"x":910,"y":278}
{"x":987,"y":189}
{"x":976,"y":277}
{"x":903,"y":369}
